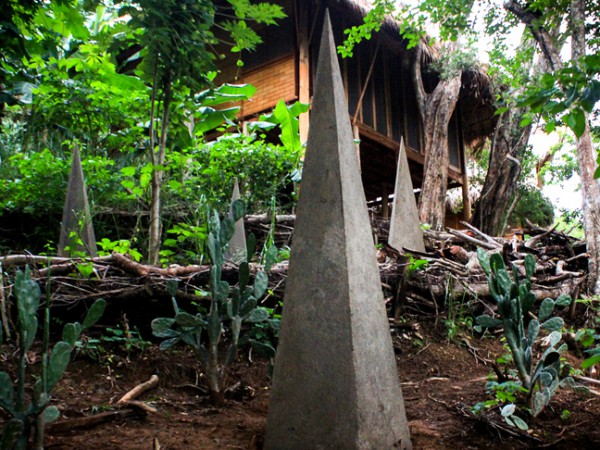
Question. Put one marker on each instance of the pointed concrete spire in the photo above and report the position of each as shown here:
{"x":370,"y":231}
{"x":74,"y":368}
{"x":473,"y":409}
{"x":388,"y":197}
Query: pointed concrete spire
{"x":335,"y":382}
{"x":237,"y":245}
{"x":77,"y":219}
{"x":405,"y":228}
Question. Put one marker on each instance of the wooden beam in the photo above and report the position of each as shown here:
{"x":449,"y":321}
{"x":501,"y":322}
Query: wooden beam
{"x":303,"y":69}
{"x":366,"y":84}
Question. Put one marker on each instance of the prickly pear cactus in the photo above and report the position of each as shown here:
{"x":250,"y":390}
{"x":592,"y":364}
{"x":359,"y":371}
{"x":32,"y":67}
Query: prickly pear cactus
{"x":25,"y":417}
{"x":515,"y":301}
{"x":230,"y":305}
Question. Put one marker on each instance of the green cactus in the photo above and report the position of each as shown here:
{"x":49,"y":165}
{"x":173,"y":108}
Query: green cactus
{"x":229,"y":305}
{"x":515,"y":301}
{"x":25,"y":417}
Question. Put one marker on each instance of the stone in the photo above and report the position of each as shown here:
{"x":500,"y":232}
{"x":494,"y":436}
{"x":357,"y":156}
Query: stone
{"x":335,"y":380}
{"x":236,"y":252}
{"x":77,"y":218}
{"x":405,"y":228}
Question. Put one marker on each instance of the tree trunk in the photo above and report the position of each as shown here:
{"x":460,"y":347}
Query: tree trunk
{"x":585,"y":151}
{"x":436,"y":109}
{"x":586,"y":157}
{"x":155,"y":232}
{"x":508,"y":148}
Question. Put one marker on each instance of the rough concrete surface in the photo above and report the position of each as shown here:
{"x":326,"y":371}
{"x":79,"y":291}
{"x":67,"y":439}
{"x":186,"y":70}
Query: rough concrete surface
{"x":405,"y":228}
{"x":76,"y":214}
{"x":335,"y":382}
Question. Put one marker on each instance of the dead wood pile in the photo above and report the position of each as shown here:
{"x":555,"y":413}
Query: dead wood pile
{"x":452,"y":271}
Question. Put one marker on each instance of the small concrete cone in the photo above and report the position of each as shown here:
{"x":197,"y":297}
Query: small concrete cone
{"x":335,"y":381}
{"x":237,"y":245}
{"x":77,"y":218}
{"x":405,"y":228}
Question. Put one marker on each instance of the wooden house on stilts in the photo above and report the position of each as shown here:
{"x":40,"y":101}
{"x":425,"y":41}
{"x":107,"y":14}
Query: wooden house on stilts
{"x":379,"y":88}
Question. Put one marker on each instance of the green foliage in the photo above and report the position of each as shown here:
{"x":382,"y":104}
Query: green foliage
{"x":114,"y":340}
{"x":567,"y":94}
{"x":515,"y":301}
{"x":452,"y":63}
{"x":286,"y":118}
{"x":533,"y":206}
{"x":24,"y":416}
{"x":452,"y":16}
{"x":230,"y":307}
{"x":262,"y":171}
{"x":121,"y":246}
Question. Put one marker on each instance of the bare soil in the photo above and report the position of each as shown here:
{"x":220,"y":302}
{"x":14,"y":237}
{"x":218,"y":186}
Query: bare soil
{"x":441,"y":381}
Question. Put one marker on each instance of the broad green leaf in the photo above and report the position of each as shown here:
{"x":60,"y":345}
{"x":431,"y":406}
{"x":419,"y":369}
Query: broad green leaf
{"x":185,"y":320}
{"x":546,"y":309}
{"x":553,"y":324}
{"x":529,"y":265}
{"x":161,"y":326}
{"x":576,"y":121}
{"x":520,"y":423}
{"x":50,"y":414}
{"x":59,"y":360}
{"x":238,"y":209}
{"x":591,"y":361}
{"x":532,"y":331}
{"x":226,"y":231}
{"x":257,"y":315}
{"x":71,"y":333}
{"x":167,"y":344}
{"x":250,"y":245}
{"x":488,"y":321}
{"x":226,"y":93}
{"x":247,"y":306}
{"x":261,"y":281}
{"x":508,"y":410}
{"x":94,"y":314}
{"x":496,"y":262}
{"x":484,"y":260}
{"x":554,"y":338}
{"x":172,"y":287}
{"x":563,"y":300}
{"x":504,"y":281}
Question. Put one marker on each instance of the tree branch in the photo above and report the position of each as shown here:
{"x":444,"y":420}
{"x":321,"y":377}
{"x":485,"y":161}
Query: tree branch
{"x":531,"y":20}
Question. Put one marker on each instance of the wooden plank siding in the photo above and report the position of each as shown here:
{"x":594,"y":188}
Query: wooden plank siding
{"x":379,"y":88}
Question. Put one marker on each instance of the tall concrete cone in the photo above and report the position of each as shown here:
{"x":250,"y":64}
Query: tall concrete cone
{"x":405,"y":228}
{"x":77,"y":219}
{"x":237,"y":245}
{"x":335,"y":382}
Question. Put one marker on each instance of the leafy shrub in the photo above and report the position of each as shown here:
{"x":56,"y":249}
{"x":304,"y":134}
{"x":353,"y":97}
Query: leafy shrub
{"x":263,"y":171}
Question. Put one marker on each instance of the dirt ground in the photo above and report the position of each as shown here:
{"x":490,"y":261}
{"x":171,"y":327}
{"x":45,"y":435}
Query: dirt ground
{"x":441,"y":381}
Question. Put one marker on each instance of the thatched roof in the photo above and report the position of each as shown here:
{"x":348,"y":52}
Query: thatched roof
{"x":477,"y":98}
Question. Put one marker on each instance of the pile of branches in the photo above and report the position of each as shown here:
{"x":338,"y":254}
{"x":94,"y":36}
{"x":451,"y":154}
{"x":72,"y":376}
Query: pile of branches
{"x":451,"y":271}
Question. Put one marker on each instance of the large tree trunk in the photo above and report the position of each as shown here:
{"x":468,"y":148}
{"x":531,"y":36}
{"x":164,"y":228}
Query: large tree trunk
{"x":586,"y":156}
{"x":436,"y":109}
{"x":585,"y":151}
{"x":508,"y":147}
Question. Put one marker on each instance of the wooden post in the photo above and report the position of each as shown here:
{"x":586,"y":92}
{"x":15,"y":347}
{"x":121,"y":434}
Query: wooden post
{"x":465,"y":195}
{"x":303,"y":69}
{"x":385,"y":207}
{"x":356,"y":134}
